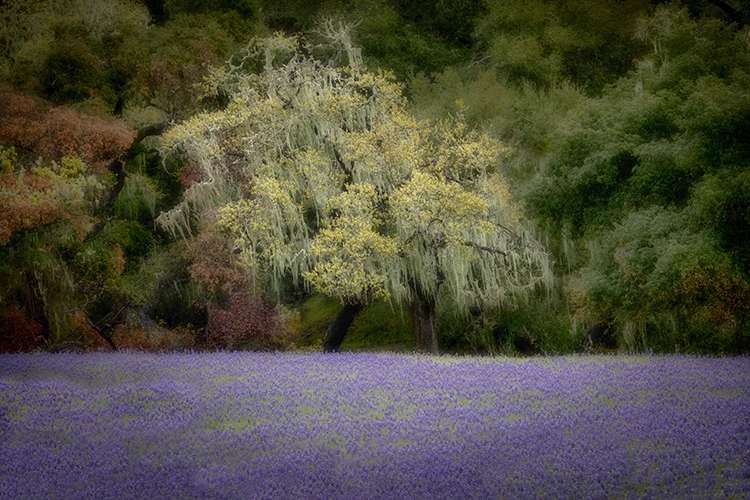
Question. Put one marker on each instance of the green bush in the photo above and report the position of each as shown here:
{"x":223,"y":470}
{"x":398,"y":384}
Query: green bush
{"x":138,"y":199}
{"x":665,"y":284}
{"x":382,"y":325}
{"x":135,"y":239}
{"x":71,"y":71}
{"x":547,"y":42}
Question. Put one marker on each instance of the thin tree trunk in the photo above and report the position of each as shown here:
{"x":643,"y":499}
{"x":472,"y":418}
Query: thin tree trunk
{"x":424,"y":327}
{"x":337,"y":331}
{"x":106,"y":337}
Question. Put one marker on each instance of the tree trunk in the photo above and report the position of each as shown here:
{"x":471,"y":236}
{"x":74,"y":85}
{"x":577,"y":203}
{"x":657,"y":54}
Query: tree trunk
{"x":336,"y":332}
{"x":103,"y":334}
{"x":423,"y":324}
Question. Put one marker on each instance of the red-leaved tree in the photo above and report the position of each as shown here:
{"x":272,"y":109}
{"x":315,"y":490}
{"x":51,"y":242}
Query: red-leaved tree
{"x":54,"y":132}
{"x":17,"y":331}
{"x":234,"y":317}
{"x":246,"y":320}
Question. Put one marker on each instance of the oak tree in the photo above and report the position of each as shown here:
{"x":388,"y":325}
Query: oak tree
{"x":323,"y":178}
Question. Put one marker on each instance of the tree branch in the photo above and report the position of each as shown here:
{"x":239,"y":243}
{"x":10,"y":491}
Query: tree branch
{"x":487,"y":249}
{"x":451,"y":177}
{"x":348,"y":171}
{"x":101,"y":330}
{"x":496,"y":252}
{"x":151,"y":130}
{"x":415,"y":233}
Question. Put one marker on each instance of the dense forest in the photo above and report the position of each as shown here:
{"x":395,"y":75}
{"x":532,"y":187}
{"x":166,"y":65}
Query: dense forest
{"x":524,"y":176}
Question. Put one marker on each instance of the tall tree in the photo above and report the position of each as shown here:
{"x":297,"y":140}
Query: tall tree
{"x":654,"y":174}
{"x":323,"y":178}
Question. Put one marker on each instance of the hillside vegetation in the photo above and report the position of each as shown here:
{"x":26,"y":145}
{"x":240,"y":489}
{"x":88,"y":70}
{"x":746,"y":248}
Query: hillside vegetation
{"x":531,"y":176}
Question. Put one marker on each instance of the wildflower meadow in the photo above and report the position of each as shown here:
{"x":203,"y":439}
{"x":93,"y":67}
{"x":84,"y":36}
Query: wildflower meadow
{"x":240,"y":425}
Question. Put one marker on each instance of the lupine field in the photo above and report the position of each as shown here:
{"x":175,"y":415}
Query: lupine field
{"x":367,"y":426}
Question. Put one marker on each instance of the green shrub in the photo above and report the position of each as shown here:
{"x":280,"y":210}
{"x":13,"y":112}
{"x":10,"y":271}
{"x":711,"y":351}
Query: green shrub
{"x":138,"y":199}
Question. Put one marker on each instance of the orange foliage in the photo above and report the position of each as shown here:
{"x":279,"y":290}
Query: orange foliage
{"x":80,"y":327}
{"x":136,"y":338}
{"x":118,"y":259}
{"x":715,"y":293}
{"x":23,"y":210}
{"x":60,"y":131}
{"x":214,"y":265}
{"x":17,"y":332}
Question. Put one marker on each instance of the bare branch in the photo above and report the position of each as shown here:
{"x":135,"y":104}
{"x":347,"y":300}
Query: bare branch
{"x":451,"y":177}
{"x":482,"y":248}
{"x":496,"y":252}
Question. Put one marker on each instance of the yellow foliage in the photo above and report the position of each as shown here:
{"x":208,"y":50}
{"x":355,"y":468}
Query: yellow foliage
{"x":348,"y":192}
{"x":428,"y":204}
{"x":350,"y":255}
{"x":8,"y":159}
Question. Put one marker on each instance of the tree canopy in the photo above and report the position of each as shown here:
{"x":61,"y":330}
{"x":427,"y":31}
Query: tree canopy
{"x":331,"y":183}
{"x":640,"y":174}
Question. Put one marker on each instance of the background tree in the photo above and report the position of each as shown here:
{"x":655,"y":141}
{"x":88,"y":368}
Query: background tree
{"x":68,"y":222}
{"x":68,"y":50}
{"x":44,"y":219}
{"x":643,"y":175}
{"x":547,"y":42}
{"x":345,"y":192}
